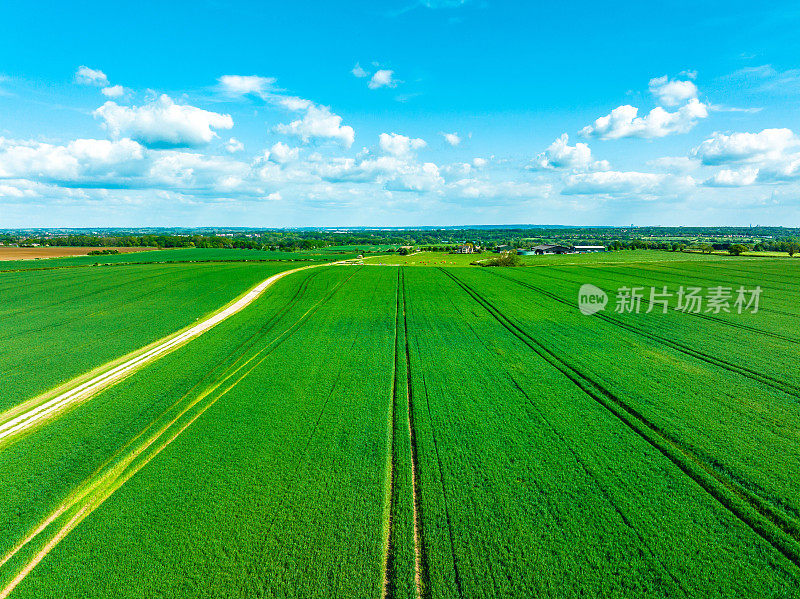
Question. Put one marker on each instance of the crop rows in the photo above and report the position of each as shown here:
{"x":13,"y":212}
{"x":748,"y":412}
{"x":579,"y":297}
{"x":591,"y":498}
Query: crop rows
{"x":413,"y":433}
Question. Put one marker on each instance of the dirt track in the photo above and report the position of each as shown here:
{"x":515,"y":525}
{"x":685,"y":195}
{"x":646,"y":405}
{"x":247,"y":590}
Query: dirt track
{"x":13,"y":423}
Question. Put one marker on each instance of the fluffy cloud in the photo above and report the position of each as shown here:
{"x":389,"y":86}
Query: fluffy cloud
{"x":561,"y":155}
{"x":359,"y":72}
{"x":391,"y":172}
{"x":768,"y":145}
{"x":625,"y":183}
{"x":624,"y":122}
{"x":382,"y":78}
{"x":113,"y":91}
{"x":243,"y":85}
{"x":399,"y":145}
{"x":452,"y":138}
{"x":282,"y":153}
{"x":86,"y":76}
{"x":86,"y":161}
{"x":771,"y":155}
{"x":233,"y":146}
{"x":320,"y":123}
{"x":730,"y":178}
{"x":162,"y":123}
{"x":672,"y":92}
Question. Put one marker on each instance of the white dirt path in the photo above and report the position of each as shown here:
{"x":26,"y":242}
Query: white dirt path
{"x":20,"y":423}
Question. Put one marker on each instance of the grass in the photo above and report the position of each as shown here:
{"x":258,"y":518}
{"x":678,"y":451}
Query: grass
{"x":464,"y":431}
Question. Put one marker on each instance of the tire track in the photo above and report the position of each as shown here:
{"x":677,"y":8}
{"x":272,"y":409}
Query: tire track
{"x":750,"y":509}
{"x":421,"y":565}
{"x":713,"y":318}
{"x":388,"y":560}
{"x":600,"y":487}
{"x":424,"y":574}
{"x":765,"y":379}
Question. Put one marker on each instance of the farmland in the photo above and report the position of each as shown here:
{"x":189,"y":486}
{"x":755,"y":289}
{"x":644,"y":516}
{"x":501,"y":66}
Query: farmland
{"x":37,"y":253}
{"x":405,"y":432}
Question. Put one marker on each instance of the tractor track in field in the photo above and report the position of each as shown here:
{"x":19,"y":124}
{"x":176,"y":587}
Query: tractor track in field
{"x":600,"y":486}
{"x":421,"y":576}
{"x":17,"y":421}
{"x":425,"y":571}
{"x":717,"y":319}
{"x":389,"y":573}
{"x":421,"y":563}
{"x":764,"y":379}
{"x":111,"y":476}
{"x":774,"y":528}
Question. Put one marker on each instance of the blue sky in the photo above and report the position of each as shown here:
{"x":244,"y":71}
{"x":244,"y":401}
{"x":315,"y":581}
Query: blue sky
{"x":435,"y":112}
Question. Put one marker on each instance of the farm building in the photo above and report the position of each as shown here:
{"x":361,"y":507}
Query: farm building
{"x":590,"y":248}
{"x":545,"y":249}
{"x":466,"y":248}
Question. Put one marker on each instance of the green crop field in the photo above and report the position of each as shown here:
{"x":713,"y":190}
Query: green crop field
{"x":392,"y":431}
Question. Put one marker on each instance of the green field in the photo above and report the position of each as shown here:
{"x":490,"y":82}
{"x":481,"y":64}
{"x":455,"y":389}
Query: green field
{"x":406,"y":432}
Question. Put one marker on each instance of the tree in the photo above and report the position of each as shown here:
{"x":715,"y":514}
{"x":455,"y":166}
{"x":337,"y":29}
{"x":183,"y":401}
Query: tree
{"x":504,"y":259}
{"x":793,"y":248}
{"x":706,"y":248}
{"x":736,"y":249}
{"x":403,"y":251}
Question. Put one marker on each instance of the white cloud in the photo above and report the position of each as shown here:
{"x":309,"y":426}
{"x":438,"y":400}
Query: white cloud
{"x":233,"y":146}
{"x":319,"y":123}
{"x":282,"y":153}
{"x":12,"y":191}
{"x":561,"y":155}
{"x":737,"y":148}
{"x":482,"y":189}
{"x":624,"y":122}
{"x":294,"y":103}
{"x":242,"y":85}
{"x":275,"y":196}
{"x":766,"y":78}
{"x":382,"y":78}
{"x":86,"y":76}
{"x":359,"y":72}
{"x":452,"y":138}
{"x":113,"y":91}
{"x":773,"y":153}
{"x":672,"y":92}
{"x":730,"y":178}
{"x":625,"y":183}
{"x":391,"y":172}
{"x":82,"y":160}
{"x":675,"y":164}
{"x":479,"y":162}
{"x":399,"y":145}
{"x":162,"y":123}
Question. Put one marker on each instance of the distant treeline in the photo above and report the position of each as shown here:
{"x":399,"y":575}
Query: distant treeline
{"x":445,"y":240}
